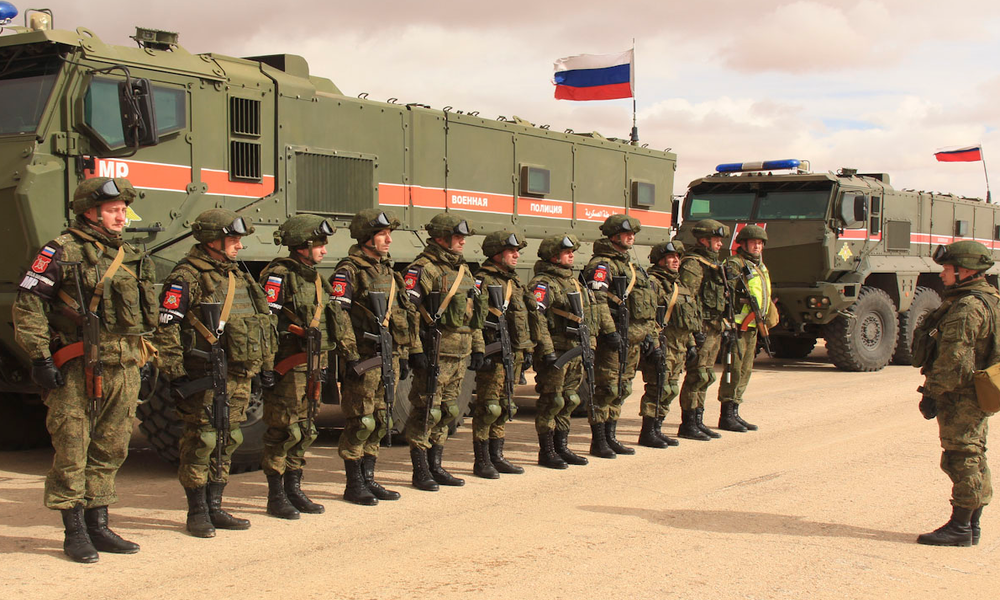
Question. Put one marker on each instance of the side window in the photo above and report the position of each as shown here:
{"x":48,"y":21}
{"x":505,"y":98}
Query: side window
{"x":102,"y":113}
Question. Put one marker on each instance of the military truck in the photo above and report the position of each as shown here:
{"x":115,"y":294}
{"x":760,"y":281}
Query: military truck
{"x":263,"y":136}
{"x":849,"y":255}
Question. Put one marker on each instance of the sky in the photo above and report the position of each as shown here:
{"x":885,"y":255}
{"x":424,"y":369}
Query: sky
{"x":876,"y":85}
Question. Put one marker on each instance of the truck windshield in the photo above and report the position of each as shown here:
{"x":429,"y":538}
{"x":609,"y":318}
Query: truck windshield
{"x":22,"y":100}
{"x":722,"y":207}
{"x":793,"y":205}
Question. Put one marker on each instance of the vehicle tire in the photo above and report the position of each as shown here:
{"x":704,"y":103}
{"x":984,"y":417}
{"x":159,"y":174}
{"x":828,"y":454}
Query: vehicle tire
{"x":784,"y":346}
{"x":401,"y":407}
{"x":22,"y":423}
{"x":866,"y":340}
{"x":925,"y":301}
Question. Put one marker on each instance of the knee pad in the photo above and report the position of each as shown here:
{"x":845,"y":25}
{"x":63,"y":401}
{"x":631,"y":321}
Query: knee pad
{"x":366,"y":425}
{"x":235,"y":437}
{"x":294,"y":434}
{"x":572,"y":401}
{"x":435,"y":417}
{"x":555,"y":405}
{"x":449,"y":410}
{"x":383,"y":423}
{"x":706,"y":376}
{"x":491,"y":412}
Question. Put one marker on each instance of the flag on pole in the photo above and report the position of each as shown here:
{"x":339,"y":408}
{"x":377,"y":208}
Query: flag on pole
{"x":595,"y":76}
{"x":960,"y":153}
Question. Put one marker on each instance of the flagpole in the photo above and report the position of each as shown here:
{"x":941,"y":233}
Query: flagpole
{"x":986,"y":173}
{"x":635,"y":129}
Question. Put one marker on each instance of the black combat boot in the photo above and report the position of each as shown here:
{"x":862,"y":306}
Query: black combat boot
{"x":974,"y":524}
{"x":103,"y":538}
{"x":659,"y":433}
{"x":609,"y":431}
{"x":599,"y":442}
{"x":699,"y":415}
{"x":439,"y":473}
{"x":547,"y":456}
{"x":77,"y":544}
{"x":220,"y":518}
{"x":647,"y":435}
{"x":561,"y":442}
{"x":689,"y":427}
{"x":497,"y":458}
{"x":749,"y":426}
{"x":298,"y":498}
{"x":422,"y":479}
{"x":198,"y":523}
{"x":368,"y":471}
{"x":956,"y":532}
{"x":277,"y":500}
{"x":727,"y":418}
{"x":356,"y":490}
{"x":483,"y":466}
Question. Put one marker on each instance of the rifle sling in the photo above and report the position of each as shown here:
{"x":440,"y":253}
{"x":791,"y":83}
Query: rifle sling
{"x":506,"y":301}
{"x":451,"y":291}
{"x":227,"y":307}
{"x":628,"y":290}
{"x":672,"y":303}
{"x":568,"y":315}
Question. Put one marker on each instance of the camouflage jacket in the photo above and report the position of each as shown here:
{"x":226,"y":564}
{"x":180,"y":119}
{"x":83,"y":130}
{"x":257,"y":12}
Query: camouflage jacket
{"x":686,"y":313}
{"x":606,"y":263}
{"x":701,"y":273}
{"x":521,"y":302}
{"x":549,"y":289}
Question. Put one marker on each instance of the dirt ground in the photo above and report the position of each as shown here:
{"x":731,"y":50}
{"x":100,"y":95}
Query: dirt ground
{"x":823,"y":502}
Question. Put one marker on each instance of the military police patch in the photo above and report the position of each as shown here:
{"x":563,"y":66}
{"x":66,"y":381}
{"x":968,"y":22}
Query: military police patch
{"x":174,"y":303}
{"x":540,"y":293}
{"x":44,"y":275}
{"x":411,"y":278}
{"x":479,"y":284}
{"x":601,"y":272}
{"x":272,"y":287}
{"x":43,"y":259}
{"x":341,"y":284}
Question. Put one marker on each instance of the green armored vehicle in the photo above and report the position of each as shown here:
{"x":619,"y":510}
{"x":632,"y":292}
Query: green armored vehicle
{"x":264,"y":137}
{"x":849,"y":255}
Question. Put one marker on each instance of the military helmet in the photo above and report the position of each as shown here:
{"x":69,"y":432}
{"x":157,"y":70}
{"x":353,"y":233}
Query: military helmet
{"x":370,"y":221}
{"x":217,"y":223}
{"x":445,"y":224}
{"x":664,"y":248}
{"x":303,"y":230}
{"x":554,"y":244}
{"x":967,"y":254}
{"x":498,"y":241}
{"x":96,"y":191}
{"x":619,"y":223}
{"x":707,"y":228}
{"x":751,"y":232}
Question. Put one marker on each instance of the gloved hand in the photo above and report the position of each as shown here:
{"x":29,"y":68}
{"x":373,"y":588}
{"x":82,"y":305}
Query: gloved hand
{"x":609,"y":339}
{"x":691,"y":355}
{"x":699,"y":339}
{"x":268,"y":379}
{"x":404,"y":369}
{"x":488,"y":363}
{"x":650,"y":352}
{"x":45,"y":374}
{"x":419,"y":362}
{"x":526,"y":363}
{"x":550,"y":359}
{"x":928,"y":407}
{"x":476,"y":361}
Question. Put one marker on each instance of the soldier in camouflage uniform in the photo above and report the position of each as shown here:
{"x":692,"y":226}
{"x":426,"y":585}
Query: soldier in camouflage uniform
{"x":702,"y":274}
{"x":489,"y":409}
{"x":301,"y":300}
{"x":557,"y":388}
{"x":957,"y":339}
{"x":210,"y":274}
{"x":440,"y":268}
{"x":89,"y":447}
{"x":745,"y":265}
{"x":611,"y":259}
{"x":368,"y":269}
{"x":681,"y":319}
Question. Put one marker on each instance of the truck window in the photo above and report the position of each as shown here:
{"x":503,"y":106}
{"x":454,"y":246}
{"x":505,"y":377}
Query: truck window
{"x":793,"y":205}
{"x":24,"y":91}
{"x":722,"y":207}
{"x":102,"y":114}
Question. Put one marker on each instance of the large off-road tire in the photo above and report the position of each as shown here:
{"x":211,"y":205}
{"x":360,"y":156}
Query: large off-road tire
{"x":22,"y":423}
{"x":925,"y":301}
{"x":866,"y":340}
{"x":401,"y":407}
{"x":785,"y":346}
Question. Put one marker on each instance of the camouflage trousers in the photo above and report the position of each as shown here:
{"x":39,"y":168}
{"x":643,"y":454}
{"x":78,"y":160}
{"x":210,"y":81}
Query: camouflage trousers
{"x":363,"y":401}
{"x":700,"y":376}
{"x":558,"y":393}
{"x":198,"y":441}
{"x":289,"y":430}
{"x":444,"y":409}
{"x":84,"y":466}
{"x":744,"y":351}
{"x":962,"y":428}
{"x":489,"y":405}
{"x":655,"y":400}
{"x":608,"y":401}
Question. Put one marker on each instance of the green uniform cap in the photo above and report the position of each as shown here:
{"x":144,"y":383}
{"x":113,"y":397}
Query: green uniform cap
{"x":217,"y":223}
{"x":707,"y":228}
{"x":554,"y":244}
{"x":751,"y":232}
{"x":967,"y":254}
{"x":498,"y":241}
{"x":370,"y":221}
{"x":96,"y":191}
{"x":664,"y":248}
{"x":303,"y":230}
{"x":445,"y":224}
{"x":619,"y":223}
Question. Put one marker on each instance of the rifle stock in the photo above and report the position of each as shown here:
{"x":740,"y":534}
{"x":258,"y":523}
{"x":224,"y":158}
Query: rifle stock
{"x":219,"y":370}
{"x":90,"y":334}
{"x":619,"y":284}
{"x":582,"y":333}
{"x":432,"y":348}
{"x":499,"y":311}
{"x":380,"y":308}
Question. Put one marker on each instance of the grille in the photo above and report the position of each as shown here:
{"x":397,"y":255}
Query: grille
{"x":337,"y":185}
{"x":244,"y":160}
{"x":244,"y":116}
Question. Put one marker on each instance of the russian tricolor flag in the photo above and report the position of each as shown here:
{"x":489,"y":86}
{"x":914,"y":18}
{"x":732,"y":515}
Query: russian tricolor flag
{"x":595,"y":76}
{"x":960,"y":154}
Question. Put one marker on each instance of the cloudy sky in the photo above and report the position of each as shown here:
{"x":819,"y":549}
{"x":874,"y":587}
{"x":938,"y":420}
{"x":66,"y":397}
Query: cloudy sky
{"x":876,"y":85}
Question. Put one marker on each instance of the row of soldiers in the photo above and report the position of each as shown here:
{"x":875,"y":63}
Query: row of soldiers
{"x":90,"y":295}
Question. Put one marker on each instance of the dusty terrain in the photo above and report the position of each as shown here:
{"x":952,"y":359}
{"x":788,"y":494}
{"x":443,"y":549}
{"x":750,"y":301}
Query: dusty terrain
{"x":823,"y":502}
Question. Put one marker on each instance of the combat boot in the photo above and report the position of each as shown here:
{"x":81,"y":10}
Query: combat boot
{"x":599,"y":442}
{"x":561,"y":442}
{"x":77,"y":544}
{"x":497,"y":458}
{"x":220,"y":518}
{"x":736,"y":413}
{"x":727,"y":418}
{"x":422,"y":479}
{"x":699,"y":415}
{"x":547,"y":456}
{"x":974,"y":524}
{"x":647,"y":435}
{"x":439,"y":473}
{"x":659,"y":433}
{"x":689,"y":427}
{"x":103,"y":538}
{"x":198,"y":523}
{"x":483,"y":467}
{"x":368,"y":471}
{"x":956,"y":532}
{"x":609,"y":432}
{"x":298,"y":498}
{"x":356,"y":491}
{"x":277,"y":500}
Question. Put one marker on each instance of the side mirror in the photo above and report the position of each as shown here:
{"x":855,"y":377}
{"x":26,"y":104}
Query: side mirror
{"x":675,"y":211}
{"x":135,"y":97}
{"x":860,"y":208}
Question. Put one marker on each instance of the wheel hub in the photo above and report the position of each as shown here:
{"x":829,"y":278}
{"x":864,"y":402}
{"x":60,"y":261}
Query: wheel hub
{"x":871,"y":331}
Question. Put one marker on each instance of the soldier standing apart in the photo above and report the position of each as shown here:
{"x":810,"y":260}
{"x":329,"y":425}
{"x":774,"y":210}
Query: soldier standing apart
{"x":557,"y":387}
{"x":88,"y":269}
{"x":702,"y":274}
{"x":440,"y":285}
{"x":300,"y":299}
{"x":491,"y":408}
{"x":681,"y":318}
{"x":955,"y":340}
{"x":746,"y":272}
{"x":618,"y":349}
{"x":367,"y":270}
{"x":209,"y":275}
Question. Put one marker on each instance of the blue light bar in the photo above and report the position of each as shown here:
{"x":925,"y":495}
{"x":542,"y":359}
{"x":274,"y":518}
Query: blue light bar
{"x":767,"y":165}
{"x":7,"y":12}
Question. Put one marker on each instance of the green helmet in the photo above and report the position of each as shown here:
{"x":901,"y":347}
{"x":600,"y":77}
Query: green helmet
{"x":498,"y":241}
{"x":619,"y":223}
{"x":303,"y":230}
{"x":96,"y":191}
{"x":967,"y":254}
{"x":217,"y":223}
{"x":554,"y":244}
{"x":707,"y":228}
{"x":751,"y":232}
{"x":445,"y":224}
{"x":370,"y":221}
{"x":664,"y":248}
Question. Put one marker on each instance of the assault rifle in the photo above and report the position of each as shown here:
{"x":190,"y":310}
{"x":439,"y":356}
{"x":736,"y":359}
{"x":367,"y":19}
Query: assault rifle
{"x":380,"y":308}
{"x":661,"y":365}
{"x":582,"y":333}
{"x":619,"y":285}
{"x":502,"y":345}
{"x":728,"y":333}
{"x":314,"y":373}
{"x":90,"y":340}
{"x":432,"y":347}
{"x":765,"y":340}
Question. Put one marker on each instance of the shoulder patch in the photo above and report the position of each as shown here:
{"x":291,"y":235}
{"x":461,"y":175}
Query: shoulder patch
{"x":174,"y":302}
{"x":44,"y":275}
{"x":272,"y":287}
{"x":411,"y":278}
{"x":541,"y":294}
{"x":479,"y":283}
{"x":341,"y":285}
